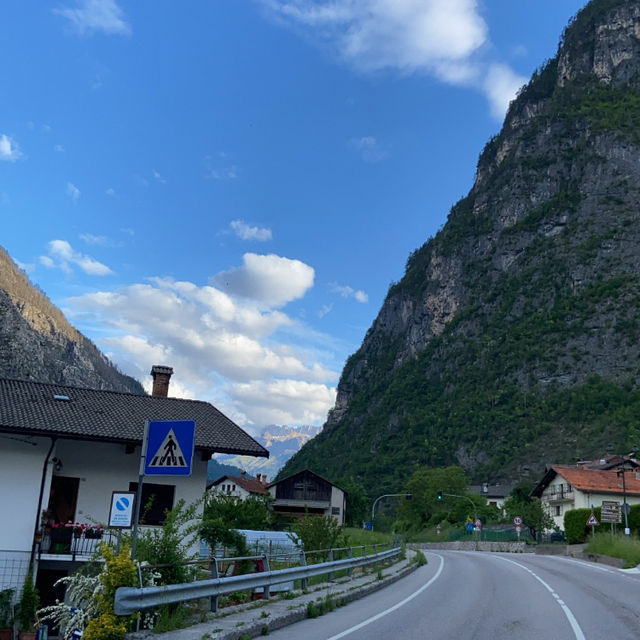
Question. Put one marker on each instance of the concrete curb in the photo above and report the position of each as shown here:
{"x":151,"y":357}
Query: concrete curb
{"x":251,"y":621}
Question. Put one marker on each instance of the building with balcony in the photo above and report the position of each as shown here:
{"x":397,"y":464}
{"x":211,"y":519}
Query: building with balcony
{"x":306,"y":492}
{"x":65,"y":450}
{"x":564,"y":488}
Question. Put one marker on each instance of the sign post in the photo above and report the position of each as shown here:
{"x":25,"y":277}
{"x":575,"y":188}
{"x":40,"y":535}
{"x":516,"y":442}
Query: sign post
{"x":167,"y":450}
{"x":593,"y":523}
{"x":517,"y":522}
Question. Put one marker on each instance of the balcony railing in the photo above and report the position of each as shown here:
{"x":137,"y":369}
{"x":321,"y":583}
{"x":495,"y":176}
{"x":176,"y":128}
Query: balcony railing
{"x":564,"y":495}
{"x":72,"y":546}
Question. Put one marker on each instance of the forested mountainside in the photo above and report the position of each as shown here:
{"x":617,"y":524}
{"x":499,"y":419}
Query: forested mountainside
{"x":513,"y":338}
{"x":38,"y":343}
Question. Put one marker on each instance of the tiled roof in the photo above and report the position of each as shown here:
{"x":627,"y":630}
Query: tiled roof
{"x":248,"y":484}
{"x":598,"y":480}
{"x":111,"y":416}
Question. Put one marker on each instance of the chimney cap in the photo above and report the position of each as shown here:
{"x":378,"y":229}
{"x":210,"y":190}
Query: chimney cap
{"x":161,"y":369}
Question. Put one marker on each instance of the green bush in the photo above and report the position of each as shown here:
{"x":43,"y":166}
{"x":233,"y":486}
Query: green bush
{"x":28,"y":605}
{"x":6,"y":610}
{"x":575,"y":524}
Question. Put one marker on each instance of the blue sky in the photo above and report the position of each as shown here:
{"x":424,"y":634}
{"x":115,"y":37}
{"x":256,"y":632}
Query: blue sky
{"x":229,"y":187}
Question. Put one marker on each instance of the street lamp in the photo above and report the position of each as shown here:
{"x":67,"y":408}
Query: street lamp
{"x":386,"y":495}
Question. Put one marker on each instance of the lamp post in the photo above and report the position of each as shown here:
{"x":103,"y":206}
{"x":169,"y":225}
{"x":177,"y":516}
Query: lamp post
{"x":621,"y":471}
{"x":386,"y":495}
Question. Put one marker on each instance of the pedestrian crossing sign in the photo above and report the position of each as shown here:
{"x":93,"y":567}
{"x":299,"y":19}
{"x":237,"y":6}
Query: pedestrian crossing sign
{"x":169,"y":447}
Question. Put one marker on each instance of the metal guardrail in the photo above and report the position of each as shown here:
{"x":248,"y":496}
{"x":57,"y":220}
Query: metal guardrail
{"x":128,"y":600}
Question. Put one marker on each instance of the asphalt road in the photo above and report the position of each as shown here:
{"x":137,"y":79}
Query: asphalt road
{"x":472,"y":595}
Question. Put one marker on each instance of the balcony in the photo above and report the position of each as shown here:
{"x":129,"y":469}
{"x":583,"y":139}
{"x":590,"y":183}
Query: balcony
{"x":562,"y":495}
{"x":65,"y":545}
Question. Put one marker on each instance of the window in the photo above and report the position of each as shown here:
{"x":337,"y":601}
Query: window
{"x":156,"y":499}
{"x":558,"y":510}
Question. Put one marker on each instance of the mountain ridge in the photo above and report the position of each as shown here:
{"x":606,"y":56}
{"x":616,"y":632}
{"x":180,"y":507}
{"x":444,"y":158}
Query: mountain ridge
{"x":511,"y":340}
{"x":38,"y":343}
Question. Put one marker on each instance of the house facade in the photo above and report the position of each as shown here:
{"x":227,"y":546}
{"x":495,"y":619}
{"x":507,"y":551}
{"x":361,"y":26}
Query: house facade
{"x":65,"y":450}
{"x":240,"y":486}
{"x":564,"y":488}
{"x":307,"y":492}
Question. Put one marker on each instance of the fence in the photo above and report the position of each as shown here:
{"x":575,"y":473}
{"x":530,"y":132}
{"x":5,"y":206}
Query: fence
{"x":128,"y":600}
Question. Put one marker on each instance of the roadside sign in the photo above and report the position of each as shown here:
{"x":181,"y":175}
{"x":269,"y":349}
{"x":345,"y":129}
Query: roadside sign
{"x":518,"y":529}
{"x":121,"y":512}
{"x":610,"y":511}
{"x":592,"y":521}
{"x":478,"y":524}
{"x":169,"y":449}
{"x":517,"y":520}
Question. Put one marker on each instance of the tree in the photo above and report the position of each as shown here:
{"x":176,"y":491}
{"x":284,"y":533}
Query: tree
{"x":358,"y":503}
{"x":424,"y":486}
{"x":520,"y":503}
{"x":319,"y":533}
{"x":252,"y":513}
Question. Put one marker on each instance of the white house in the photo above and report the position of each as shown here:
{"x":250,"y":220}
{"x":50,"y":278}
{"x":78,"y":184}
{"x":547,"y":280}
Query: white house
{"x":64,"y":450}
{"x":307,"y":492}
{"x":239,"y":486}
{"x":564,"y":488}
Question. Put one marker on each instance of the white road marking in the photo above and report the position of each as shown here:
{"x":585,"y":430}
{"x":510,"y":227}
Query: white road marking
{"x":567,"y":612}
{"x":395,"y":606}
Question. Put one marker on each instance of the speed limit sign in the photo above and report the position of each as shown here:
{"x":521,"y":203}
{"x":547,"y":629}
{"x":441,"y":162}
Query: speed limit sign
{"x":517,"y":520}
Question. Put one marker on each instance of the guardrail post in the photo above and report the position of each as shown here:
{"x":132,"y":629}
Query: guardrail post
{"x":303,"y":563}
{"x":350,"y":569}
{"x":214,"y":574}
{"x":267,"y":590}
{"x":330,"y":574}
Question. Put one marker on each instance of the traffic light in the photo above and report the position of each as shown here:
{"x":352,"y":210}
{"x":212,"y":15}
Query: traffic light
{"x":439,"y":495}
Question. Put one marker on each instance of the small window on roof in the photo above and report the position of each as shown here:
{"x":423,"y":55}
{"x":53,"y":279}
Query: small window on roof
{"x":61,"y":397}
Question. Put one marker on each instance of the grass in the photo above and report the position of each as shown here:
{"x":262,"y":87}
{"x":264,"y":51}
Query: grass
{"x":361,"y":537}
{"x":617,"y":546}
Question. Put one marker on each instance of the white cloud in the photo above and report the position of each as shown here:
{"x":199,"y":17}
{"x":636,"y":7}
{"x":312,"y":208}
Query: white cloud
{"x":269,"y":280}
{"x":446,"y":39}
{"x":406,"y":35}
{"x":62,"y":256}
{"x":229,"y":350}
{"x":158,"y":177}
{"x":89,"y":238}
{"x":92,"y":16}
{"x":9,"y":149}
{"x":246,"y":232}
{"x":283,"y":401}
{"x":349,"y":292}
{"x":227,"y":173}
{"x":59,"y":148}
{"x":501,"y":86}
{"x":369,"y":148}
{"x":110,"y":192}
{"x":324,"y":310}
{"x":73,"y":192}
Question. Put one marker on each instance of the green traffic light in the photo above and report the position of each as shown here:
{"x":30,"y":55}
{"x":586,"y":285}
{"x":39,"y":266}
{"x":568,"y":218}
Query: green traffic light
{"x":439,"y":495}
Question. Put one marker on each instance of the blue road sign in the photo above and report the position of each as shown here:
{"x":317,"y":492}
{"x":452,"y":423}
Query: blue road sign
{"x":170,"y":448}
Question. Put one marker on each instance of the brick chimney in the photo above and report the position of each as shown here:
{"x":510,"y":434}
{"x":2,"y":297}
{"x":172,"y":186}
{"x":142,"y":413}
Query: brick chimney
{"x":161,"y":376}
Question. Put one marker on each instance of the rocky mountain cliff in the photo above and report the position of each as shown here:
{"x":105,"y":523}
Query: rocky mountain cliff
{"x":513,"y":338}
{"x":38,"y":343}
